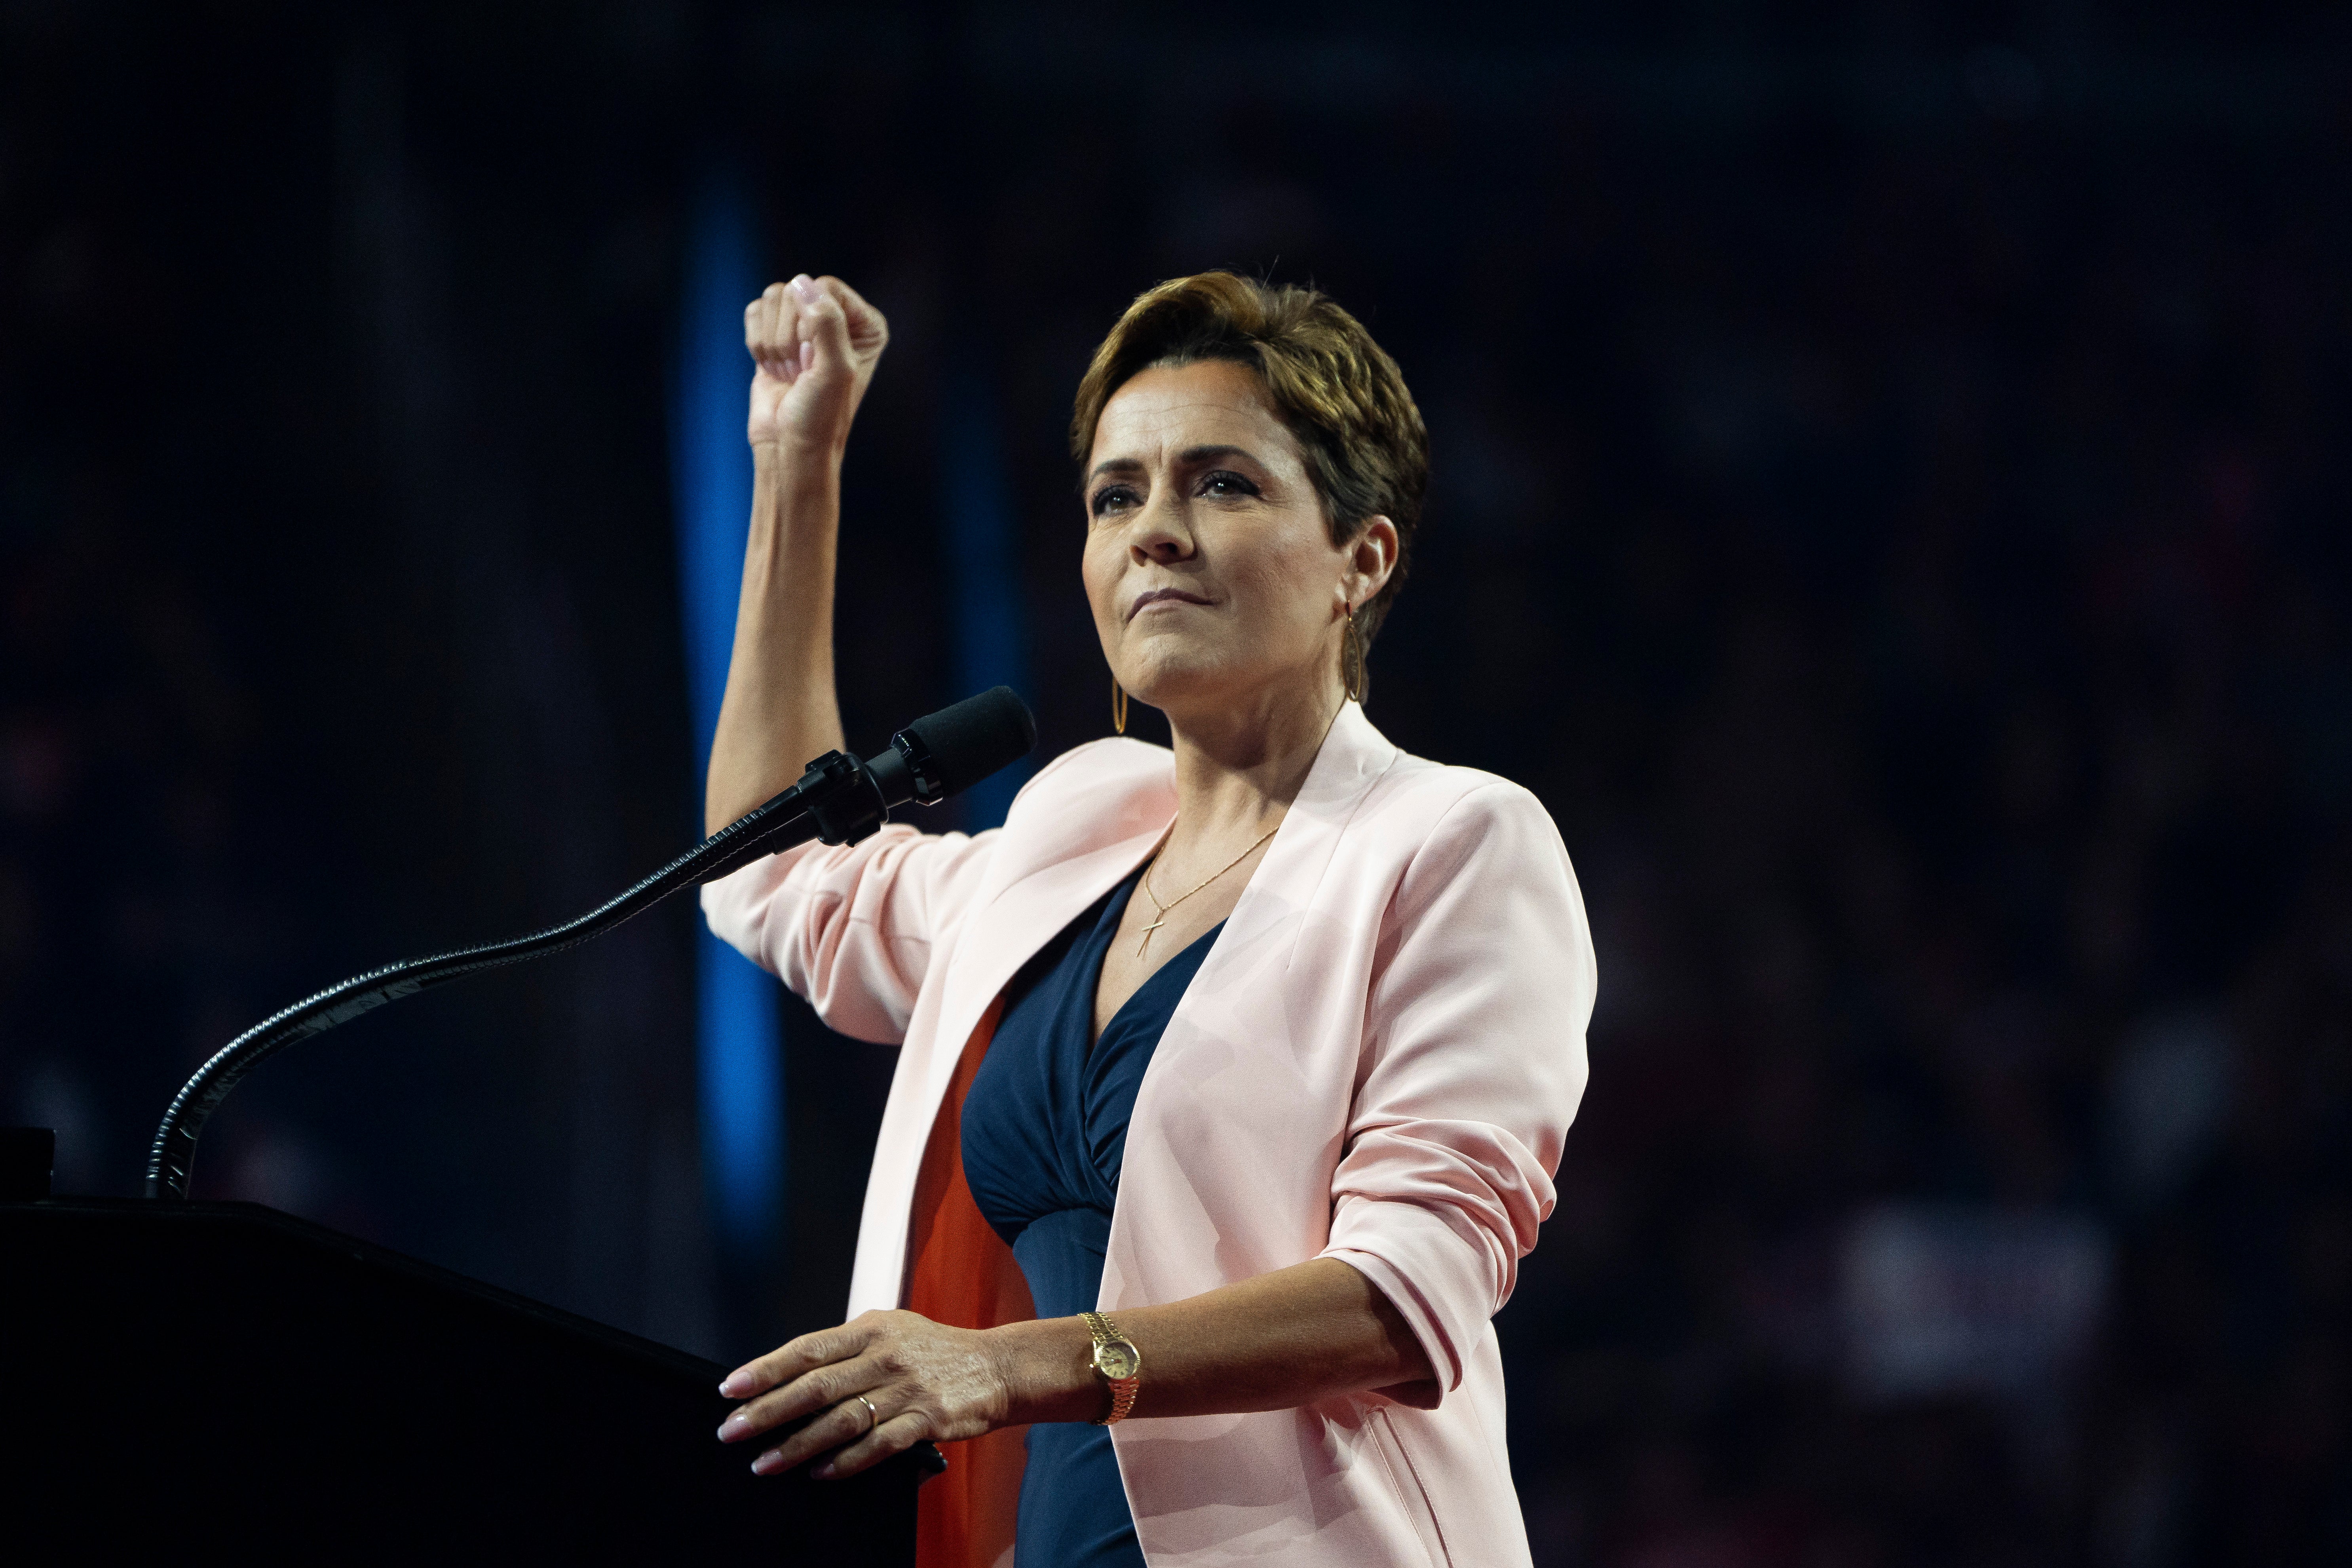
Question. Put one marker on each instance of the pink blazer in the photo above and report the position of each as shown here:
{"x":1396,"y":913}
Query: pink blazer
{"x":1377,"y":1062}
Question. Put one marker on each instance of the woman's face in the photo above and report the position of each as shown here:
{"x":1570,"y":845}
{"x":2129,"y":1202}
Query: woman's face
{"x":1209,"y":563}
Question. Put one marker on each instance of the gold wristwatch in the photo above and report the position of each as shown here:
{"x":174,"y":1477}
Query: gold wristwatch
{"x":1118,"y":1362}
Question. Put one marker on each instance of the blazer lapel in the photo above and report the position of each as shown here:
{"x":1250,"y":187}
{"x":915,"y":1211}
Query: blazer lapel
{"x":1007,"y":930}
{"x":1354,"y":755}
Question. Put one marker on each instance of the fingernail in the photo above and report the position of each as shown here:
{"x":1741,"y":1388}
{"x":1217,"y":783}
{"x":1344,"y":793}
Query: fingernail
{"x":805,"y":287}
{"x":731,"y":1428}
{"x":736,"y":1386}
{"x":822,"y":1472}
{"x":769,"y":1463}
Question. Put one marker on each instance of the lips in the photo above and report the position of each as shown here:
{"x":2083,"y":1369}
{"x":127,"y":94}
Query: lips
{"x":1155,"y":596}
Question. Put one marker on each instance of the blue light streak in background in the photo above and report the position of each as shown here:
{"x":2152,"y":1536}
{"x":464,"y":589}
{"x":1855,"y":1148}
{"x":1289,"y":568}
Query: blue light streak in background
{"x":984,"y":556}
{"x":738,"y":1033}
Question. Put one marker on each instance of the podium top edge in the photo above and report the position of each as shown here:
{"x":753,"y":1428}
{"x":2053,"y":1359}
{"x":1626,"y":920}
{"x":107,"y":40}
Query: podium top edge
{"x":261,"y":1218}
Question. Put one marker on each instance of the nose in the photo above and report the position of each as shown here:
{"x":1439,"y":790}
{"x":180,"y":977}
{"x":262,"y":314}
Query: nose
{"x":1161,"y":534}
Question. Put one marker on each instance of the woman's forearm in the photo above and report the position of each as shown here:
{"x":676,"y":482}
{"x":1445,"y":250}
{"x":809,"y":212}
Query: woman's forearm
{"x":780,"y":709}
{"x":1314,"y":1330}
{"x":815,"y":343}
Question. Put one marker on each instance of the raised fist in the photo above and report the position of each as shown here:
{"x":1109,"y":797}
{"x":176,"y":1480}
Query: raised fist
{"x":816,"y":343}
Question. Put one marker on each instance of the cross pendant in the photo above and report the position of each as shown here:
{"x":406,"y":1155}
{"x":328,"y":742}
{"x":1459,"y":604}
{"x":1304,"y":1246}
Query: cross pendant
{"x":1154,"y":926}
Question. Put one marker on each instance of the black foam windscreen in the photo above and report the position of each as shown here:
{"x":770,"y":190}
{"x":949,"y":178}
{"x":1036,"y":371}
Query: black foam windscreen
{"x":972,"y":739}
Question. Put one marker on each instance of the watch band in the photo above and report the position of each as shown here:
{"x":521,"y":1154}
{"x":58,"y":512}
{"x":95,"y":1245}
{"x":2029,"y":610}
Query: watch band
{"x":1122,"y":1389}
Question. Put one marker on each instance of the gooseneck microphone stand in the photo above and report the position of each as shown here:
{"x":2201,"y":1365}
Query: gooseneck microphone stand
{"x":838,"y":800}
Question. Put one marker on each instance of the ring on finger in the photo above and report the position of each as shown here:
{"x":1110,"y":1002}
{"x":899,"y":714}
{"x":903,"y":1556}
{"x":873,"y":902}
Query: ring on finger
{"x":872,"y":1416}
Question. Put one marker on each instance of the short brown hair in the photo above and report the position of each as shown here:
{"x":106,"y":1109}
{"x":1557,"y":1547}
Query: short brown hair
{"x":1342,"y":397}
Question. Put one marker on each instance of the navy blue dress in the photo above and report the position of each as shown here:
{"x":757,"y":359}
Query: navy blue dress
{"x":1045,"y":1129}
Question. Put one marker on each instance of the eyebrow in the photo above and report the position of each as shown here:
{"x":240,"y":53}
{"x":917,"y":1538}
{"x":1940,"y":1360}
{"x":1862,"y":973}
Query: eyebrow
{"x":1189,"y":456}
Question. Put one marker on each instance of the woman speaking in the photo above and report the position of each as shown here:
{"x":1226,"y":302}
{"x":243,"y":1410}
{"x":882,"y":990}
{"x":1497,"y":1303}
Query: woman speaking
{"x":1231,"y":1077}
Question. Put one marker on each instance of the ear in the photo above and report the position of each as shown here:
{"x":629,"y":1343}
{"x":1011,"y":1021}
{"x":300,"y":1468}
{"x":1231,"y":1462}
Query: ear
{"x":1371,"y":561}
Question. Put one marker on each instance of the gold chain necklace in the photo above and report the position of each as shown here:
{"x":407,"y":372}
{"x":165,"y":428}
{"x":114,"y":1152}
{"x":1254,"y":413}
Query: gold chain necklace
{"x":1179,"y":898}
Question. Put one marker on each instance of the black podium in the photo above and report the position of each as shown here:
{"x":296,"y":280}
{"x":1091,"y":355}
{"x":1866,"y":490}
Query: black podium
{"x":221,"y":1382}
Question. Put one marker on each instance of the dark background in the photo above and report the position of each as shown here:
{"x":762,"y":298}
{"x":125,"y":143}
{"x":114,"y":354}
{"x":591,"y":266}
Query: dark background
{"x":1891,"y":465}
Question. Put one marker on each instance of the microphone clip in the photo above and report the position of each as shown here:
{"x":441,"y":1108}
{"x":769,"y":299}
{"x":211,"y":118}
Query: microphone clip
{"x":842,"y":796}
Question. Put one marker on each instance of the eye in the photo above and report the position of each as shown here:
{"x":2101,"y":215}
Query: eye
{"x":1226,"y":482}
{"x":1111,"y":499}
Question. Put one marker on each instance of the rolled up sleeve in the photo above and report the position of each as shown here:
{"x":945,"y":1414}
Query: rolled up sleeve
{"x":851,"y":928}
{"x":1474,"y":1066}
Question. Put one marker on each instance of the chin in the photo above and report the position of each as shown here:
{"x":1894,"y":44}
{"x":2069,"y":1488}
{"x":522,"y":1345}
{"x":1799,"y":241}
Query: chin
{"x":1184,"y":681}
{"x":1213,"y":689}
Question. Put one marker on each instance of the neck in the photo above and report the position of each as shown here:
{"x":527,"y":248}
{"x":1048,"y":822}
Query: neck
{"x":1239,"y":765}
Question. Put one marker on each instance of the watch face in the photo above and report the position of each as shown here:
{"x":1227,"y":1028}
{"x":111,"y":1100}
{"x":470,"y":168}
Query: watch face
{"x":1117,"y":1359}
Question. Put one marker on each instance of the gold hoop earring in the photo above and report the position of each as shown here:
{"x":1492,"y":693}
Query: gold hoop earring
{"x":1117,"y":706}
{"x":1353,"y":679}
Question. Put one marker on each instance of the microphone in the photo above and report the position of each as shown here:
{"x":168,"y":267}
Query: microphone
{"x":951,"y":751}
{"x":942,"y":754}
{"x":839,"y":800}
